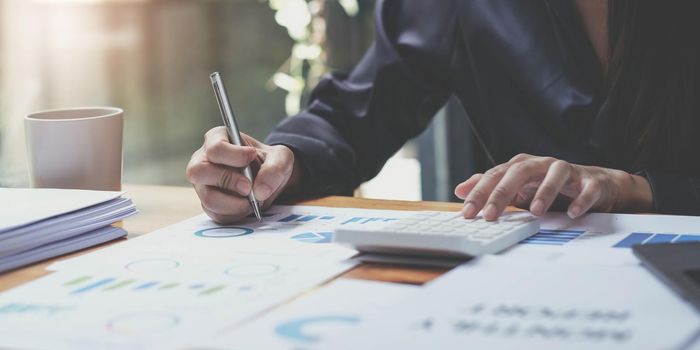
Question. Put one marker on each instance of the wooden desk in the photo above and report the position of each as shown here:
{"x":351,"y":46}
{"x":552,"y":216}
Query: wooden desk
{"x":161,"y":206}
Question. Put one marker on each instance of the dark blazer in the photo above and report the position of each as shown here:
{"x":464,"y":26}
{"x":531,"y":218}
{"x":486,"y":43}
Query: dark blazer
{"x":525,"y":72}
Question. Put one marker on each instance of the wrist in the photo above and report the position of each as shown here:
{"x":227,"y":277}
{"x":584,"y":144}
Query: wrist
{"x":294,"y":183}
{"x":636,"y":194}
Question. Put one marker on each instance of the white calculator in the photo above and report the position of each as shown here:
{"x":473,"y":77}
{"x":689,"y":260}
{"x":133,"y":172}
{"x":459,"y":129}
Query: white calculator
{"x":440,"y":234}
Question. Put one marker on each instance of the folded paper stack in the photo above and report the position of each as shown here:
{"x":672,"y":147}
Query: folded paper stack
{"x":37,"y":224}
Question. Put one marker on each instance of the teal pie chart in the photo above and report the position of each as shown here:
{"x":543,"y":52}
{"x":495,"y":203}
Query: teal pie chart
{"x":223,"y":232}
{"x":314,"y":237}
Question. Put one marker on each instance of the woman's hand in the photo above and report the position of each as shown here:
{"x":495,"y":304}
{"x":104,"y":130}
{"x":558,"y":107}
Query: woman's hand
{"x":537,"y":181}
{"x":215,"y":170}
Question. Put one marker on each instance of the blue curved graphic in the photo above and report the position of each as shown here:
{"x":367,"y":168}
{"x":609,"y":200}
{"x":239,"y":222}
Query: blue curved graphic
{"x":224,"y":232}
{"x":295,"y":330}
{"x":314,"y":237}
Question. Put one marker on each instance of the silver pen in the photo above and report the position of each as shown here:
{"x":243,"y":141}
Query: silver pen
{"x":234,"y":136}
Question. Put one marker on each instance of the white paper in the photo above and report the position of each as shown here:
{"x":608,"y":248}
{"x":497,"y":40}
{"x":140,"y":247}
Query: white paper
{"x":287,"y":231}
{"x":602,"y":239}
{"x":503,"y":303}
{"x":23,"y":206}
{"x":150,"y":304}
{"x":338,"y":307}
{"x":65,"y":246}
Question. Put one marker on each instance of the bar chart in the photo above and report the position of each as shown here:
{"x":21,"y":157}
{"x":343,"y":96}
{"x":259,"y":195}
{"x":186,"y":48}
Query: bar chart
{"x":654,"y":238}
{"x":364,"y":220}
{"x":553,"y":237}
{"x":92,"y":284}
{"x":305,"y":218}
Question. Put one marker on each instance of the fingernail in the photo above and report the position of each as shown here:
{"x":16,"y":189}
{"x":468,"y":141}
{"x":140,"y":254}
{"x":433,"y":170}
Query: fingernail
{"x":262,"y":191}
{"x":490,"y":212}
{"x":469,"y":210}
{"x":243,"y":187}
{"x":574,"y":212}
{"x":537,"y":207}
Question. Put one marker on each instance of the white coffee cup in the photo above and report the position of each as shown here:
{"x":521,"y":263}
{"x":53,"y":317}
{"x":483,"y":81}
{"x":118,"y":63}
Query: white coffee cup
{"x":75,"y":148}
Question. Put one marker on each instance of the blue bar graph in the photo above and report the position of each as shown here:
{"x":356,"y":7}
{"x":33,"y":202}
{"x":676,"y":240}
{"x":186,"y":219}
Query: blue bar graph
{"x":146,"y":285}
{"x":307,"y":218}
{"x":289,"y":218}
{"x":632,"y":239}
{"x":553,"y":237}
{"x":654,"y":238}
{"x":661,"y":238}
{"x":91,"y":286}
{"x":351,"y":221}
{"x":362,"y":220}
{"x":687,"y":238}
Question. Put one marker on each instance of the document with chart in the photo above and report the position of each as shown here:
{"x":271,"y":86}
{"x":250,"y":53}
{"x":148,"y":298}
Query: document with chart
{"x":503,"y":303}
{"x":607,"y":237}
{"x":338,"y":307}
{"x":287,"y":231}
{"x":89,"y":309}
{"x":151,"y":302}
{"x":194,"y":278}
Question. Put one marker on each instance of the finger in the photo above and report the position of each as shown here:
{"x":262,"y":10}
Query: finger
{"x":589,"y":196}
{"x":463,"y":189}
{"x":221,"y":203}
{"x":480,"y":193}
{"x":557,"y":176}
{"x":513,"y":180}
{"x":226,"y":178}
{"x":218,"y":149}
{"x":274,"y":172}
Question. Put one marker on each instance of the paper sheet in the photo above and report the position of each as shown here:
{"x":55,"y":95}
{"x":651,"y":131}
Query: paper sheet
{"x":503,"y":303}
{"x":138,"y":307}
{"x":151,"y":286}
{"x":30,"y":205}
{"x":291,"y":231}
{"x":338,"y":307}
{"x":602,"y":239}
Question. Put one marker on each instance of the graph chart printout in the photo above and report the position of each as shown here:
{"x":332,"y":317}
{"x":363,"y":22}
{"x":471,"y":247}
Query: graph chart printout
{"x":313,"y":318}
{"x":531,"y":306}
{"x":134,"y":309}
{"x":293,"y":231}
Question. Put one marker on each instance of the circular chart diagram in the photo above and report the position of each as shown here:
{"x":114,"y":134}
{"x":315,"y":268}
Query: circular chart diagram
{"x":252,"y":270}
{"x":143,"y":322}
{"x":311,"y":329}
{"x":314,"y":237}
{"x":155,"y":264}
{"x":224,"y":232}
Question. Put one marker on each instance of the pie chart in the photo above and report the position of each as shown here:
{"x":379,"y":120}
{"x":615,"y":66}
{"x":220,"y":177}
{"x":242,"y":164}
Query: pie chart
{"x":314,"y":237}
{"x":223,"y":232}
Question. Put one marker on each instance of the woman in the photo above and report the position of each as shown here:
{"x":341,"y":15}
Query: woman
{"x":588,"y":104}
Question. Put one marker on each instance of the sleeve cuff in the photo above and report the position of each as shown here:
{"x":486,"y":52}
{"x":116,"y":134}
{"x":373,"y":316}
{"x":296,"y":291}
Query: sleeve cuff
{"x":673,"y":194}
{"x":316,"y":160}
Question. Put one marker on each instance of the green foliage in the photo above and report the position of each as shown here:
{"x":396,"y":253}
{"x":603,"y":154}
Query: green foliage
{"x":306,"y":25}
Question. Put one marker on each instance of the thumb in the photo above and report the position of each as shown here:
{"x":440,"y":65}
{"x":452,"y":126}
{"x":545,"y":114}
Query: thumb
{"x":274,"y":172}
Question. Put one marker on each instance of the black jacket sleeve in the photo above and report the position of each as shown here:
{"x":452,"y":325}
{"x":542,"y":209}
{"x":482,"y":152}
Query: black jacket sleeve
{"x":674,"y":193}
{"x":355,"y":122}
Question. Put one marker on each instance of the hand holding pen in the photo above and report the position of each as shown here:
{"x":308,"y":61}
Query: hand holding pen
{"x":217,"y":171}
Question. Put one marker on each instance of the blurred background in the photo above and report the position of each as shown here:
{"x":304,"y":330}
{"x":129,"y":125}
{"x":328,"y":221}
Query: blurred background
{"x":153,"y":57}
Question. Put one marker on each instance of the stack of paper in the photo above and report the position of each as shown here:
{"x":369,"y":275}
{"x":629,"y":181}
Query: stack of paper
{"x":37,"y":224}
